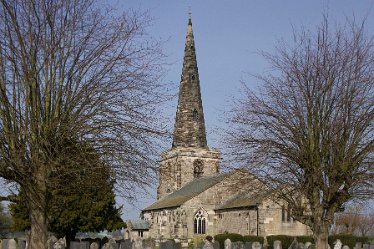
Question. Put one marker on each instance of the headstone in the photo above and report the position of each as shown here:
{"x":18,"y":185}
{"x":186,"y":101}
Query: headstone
{"x":79,"y":245}
{"x":148,"y":244}
{"x":228,"y":244}
{"x":216,"y":245}
{"x":12,"y":244}
{"x":300,"y":245}
{"x":200,"y":245}
{"x":137,"y":244}
{"x":248,"y":245}
{"x":294,"y":244}
{"x":21,"y":244}
{"x":256,"y":245}
{"x":358,"y":245}
{"x":107,"y":245}
{"x":177,"y":245}
{"x":94,"y":245}
{"x":277,"y":244}
{"x":5,"y":244}
{"x":338,"y":244}
{"x":307,"y":244}
{"x":365,"y":246}
{"x":234,"y":245}
{"x":371,"y":245}
{"x":51,"y":241}
{"x":312,"y":246}
{"x":126,"y":244}
{"x":345,"y":247}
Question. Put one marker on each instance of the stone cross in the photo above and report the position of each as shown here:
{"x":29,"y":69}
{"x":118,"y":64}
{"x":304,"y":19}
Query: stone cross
{"x":277,"y":244}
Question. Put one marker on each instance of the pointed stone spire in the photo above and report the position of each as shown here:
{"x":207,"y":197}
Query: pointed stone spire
{"x":189,"y":130}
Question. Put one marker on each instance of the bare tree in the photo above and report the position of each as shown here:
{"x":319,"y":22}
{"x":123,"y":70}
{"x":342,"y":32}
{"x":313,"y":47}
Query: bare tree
{"x":73,"y":72}
{"x":308,"y":131}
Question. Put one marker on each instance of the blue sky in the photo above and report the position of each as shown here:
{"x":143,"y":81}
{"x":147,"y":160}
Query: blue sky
{"x":229,"y":36}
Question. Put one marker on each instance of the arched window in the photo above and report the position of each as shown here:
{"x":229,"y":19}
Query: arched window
{"x":200,"y":222}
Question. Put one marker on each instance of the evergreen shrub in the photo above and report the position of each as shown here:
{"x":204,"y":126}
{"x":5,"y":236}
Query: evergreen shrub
{"x":252,"y":238}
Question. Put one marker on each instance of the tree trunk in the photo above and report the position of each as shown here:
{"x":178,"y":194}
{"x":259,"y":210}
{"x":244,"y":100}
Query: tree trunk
{"x":321,"y":234}
{"x":39,"y":228}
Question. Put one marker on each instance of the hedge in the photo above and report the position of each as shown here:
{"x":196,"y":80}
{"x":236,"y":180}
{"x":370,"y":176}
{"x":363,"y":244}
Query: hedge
{"x":222,"y":237}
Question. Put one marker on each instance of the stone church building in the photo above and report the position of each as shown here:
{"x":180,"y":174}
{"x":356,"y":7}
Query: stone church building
{"x":193,"y":197}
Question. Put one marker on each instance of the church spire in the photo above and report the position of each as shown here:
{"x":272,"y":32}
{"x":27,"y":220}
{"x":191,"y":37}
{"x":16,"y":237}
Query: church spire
{"x":189,"y":130}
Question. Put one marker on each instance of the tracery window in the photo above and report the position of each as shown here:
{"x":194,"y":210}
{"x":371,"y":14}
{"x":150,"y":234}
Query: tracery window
{"x":200,"y":222}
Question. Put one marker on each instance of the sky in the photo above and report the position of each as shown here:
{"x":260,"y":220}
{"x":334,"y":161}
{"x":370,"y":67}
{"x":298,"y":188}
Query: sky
{"x":229,"y":37}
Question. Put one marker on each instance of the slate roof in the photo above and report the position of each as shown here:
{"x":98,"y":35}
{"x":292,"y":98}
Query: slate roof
{"x":244,"y":201}
{"x":187,"y":192}
{"x":138,"y":224}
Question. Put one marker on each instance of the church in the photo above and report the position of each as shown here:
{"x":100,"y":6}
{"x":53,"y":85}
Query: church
{"x":193,"y":197}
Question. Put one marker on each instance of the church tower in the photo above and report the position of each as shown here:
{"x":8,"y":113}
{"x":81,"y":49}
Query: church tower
{"x":189,"y":157}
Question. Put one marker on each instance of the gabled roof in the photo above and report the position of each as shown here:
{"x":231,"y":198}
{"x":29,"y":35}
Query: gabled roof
{"x":138,"y":224}
{"x":187,"y":192}
{"x":244,"y":200}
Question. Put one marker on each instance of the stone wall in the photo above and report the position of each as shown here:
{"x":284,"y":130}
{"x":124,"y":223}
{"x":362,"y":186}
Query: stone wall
{"x":178,"y":166}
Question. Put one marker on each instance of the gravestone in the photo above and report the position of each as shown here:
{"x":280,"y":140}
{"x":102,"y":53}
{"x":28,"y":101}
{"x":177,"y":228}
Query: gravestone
{"x":107,"y":245}
{"x":256,"y":245}
{"x":51,"y":241}
{"x":199,"y":245}
{"x":294,"y":244}
{"x":234,"y":245}
{"x":216,"y":245}
{"x":307,"y":244}
{"x":79,"y":245}
{"x":21,"y":244}
{"x":177,"y":245}
{"x":277,"y":244}
{"x":137,"y":244}
{"x":12,"y":244}
{"x":94,"y":245}
{"x":358,"y":245}
{"x":300,"y":245}
{"x":345,"y":247}
{"x":338,"y":244}
{"x":371,"y":245}
{"x":312,"y":246}
{"x":5,"y":244}
{"x":365,"y":246}
{"x":228,"y":244}
{"x":126,"y":244}
{"x":148,"y":244}
{"x":248,"y":245}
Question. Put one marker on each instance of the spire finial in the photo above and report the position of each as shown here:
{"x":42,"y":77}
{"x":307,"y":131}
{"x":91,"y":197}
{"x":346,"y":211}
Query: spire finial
{"x":189,"y":15}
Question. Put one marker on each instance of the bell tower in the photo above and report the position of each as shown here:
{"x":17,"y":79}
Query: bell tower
{"x":189,"y":156}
